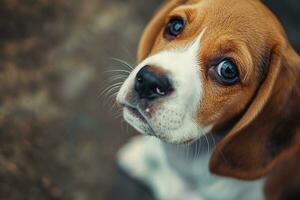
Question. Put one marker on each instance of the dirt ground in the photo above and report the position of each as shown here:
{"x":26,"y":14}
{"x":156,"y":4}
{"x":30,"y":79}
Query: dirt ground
{"x":58,"y":137}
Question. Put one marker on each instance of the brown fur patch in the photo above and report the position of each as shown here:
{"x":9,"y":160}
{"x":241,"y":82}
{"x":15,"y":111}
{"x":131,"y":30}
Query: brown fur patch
{"x":260,"y":113}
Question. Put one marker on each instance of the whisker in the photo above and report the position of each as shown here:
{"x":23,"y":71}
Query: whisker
{"x":213,"y":139}
{"x":189,"y":151}
{"x":208,"y":145}
{"x":117,"y":114}
{"x":222,"y":154}
{"x":117,"y":78}
{"x":117,"y":70}
{"x":111,"y":100}
{"x":186,"y":150}
{"x":111,"y":90}
{"x":111,"y":95}
{"x":123,"y":62}
{"x":196,"y":151}
{"x":199,"y":147}
{"x":185,"y":147}
{"x":109,"y":87}
{"x":111,"y":78}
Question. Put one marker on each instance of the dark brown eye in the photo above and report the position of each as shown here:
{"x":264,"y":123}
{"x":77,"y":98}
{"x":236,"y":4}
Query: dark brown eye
{"x":174,"y":27}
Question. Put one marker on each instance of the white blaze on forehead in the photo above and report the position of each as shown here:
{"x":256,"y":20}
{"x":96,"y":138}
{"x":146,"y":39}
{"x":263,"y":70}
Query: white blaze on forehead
{"x":181,"y":60}
{"x":174,"y":117}
{"x":183,"y":65}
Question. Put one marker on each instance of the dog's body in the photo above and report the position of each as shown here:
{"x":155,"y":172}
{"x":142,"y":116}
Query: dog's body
{"x":177,"y":173}
{"x":224,"y":73}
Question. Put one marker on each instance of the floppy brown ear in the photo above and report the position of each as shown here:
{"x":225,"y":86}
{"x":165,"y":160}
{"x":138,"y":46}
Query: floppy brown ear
{"x":154,"y":27}
{"x":268,"y":130}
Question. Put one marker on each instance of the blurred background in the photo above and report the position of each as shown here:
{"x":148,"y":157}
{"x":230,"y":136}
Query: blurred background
{"x":58,"y":138}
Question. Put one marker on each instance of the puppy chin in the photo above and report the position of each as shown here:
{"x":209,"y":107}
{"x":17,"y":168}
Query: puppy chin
{"x":186,"y":134}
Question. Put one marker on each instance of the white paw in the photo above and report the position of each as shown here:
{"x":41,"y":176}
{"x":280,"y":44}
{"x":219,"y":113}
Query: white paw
{"x":144,"y":158}
{"x":141,"y":157}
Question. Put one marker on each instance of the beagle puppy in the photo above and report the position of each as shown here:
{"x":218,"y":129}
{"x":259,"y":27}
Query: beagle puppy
{"x":218,"y":84}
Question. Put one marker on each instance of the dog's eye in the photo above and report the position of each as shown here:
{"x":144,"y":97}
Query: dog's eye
{"x":227,"y":72}
{"x":174,"y":27}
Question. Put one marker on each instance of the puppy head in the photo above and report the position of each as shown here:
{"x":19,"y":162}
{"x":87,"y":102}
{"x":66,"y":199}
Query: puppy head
{"x":205,"y":66}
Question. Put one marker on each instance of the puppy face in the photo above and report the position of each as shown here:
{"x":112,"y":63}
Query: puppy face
{"x":201,"y":64}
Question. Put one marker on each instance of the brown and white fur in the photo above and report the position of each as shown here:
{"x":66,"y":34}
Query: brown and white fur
{"x":254,"y":123}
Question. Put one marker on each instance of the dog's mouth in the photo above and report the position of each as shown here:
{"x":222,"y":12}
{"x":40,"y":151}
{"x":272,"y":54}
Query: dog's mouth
{"x":138,"y":114}
{"x":135,"y":112}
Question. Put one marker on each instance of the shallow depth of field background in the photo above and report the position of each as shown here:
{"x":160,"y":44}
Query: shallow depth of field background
{"x":58,"y":140}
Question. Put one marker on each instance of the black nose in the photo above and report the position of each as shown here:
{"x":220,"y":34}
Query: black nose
{"x":151,"y":83}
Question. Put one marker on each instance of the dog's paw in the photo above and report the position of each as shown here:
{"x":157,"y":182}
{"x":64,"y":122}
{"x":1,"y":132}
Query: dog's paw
{"x":141,"y":157}
{"x":144,"y":159}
